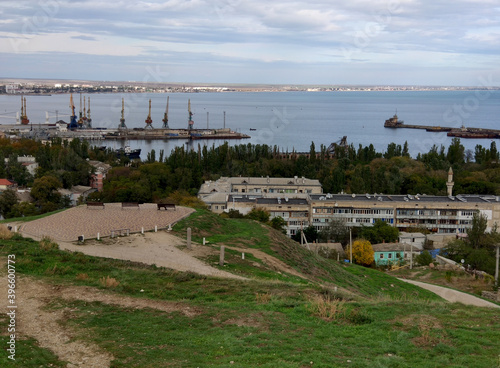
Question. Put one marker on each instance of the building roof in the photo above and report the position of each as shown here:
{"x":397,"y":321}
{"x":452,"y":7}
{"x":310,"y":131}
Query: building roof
{"x":6,"y":182}
{"x":224,"y":184}
{"x":404,"y":198}
{"x":391,"y":247}
{"x":268,"y":200}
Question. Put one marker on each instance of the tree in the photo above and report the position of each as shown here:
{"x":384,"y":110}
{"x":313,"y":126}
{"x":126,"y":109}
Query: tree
{"x":258,"y":214}
{"x":476,"y":234}
{"x":310,"y":233}
{"x":44,"y":192}
{"x":362,"y":252}
{"x":337,"y":231}
{"x":424,"y":258}
{"x":380,"y":232}
{"x":278,"y":223}
{"x":8,"y":199}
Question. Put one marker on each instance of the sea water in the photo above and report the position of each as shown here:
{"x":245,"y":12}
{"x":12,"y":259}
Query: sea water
{"x":289,"y":120}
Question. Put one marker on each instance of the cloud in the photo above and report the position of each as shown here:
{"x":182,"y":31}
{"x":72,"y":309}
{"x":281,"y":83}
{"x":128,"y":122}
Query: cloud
{"x":210,"y":33}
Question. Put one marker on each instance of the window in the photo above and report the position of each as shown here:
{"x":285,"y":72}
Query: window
{"x":389,"y":255}
{"x":382,"y":256}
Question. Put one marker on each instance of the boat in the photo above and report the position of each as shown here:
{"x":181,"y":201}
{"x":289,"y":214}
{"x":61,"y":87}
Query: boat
{"x":253,"y":129}
{"x":132,"y":154}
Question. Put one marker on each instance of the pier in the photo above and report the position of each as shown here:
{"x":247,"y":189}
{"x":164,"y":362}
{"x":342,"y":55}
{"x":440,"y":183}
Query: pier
{"x":462,"y":132}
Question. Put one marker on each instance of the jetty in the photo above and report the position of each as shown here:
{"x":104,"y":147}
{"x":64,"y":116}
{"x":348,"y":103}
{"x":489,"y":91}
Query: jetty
{"x":462,"y":132}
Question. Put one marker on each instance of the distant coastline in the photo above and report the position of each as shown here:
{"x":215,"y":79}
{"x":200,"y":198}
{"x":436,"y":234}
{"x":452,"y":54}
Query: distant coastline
{"x":39,"y":87}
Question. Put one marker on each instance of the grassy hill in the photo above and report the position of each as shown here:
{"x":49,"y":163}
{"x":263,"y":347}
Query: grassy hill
{"x":272,"y":320}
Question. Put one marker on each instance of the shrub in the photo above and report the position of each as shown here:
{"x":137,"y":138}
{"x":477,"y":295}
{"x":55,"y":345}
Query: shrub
{"x":47,"y":244}
{"x":4,"y":232}
{"x":424,"y":258}
{"x":109,"y":282}
{"x":327,"y":308}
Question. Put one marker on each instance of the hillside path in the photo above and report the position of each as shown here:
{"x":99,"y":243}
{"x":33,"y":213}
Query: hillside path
{"x":453,"y":296}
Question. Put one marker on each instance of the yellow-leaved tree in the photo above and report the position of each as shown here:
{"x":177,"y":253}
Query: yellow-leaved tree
{"x":362,"y":252}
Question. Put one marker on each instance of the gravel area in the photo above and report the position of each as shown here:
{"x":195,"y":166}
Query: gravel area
{"x":70,"y":224}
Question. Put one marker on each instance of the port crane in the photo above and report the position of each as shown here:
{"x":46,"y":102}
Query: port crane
{"x":336,"y":146}
{"x":24,"y":115}
{"x":73,"y":124}
{"x":165,"y":117}
{"x":149,"y":121}
{"x":190,"y":121}
{"x":89,"y":120}
{"x":122,"y":120}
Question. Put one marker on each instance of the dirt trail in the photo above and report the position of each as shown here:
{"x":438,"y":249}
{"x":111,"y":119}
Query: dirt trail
{"x":453,"y":296}
{"x":271,"y":261}
{"x":36,"y":322}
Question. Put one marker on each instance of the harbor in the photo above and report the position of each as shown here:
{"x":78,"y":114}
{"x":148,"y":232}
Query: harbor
{"x":81,"y":127}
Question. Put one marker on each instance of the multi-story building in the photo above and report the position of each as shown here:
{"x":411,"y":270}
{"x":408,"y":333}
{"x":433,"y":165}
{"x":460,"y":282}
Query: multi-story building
{"x":300,"y":202}
{"x":439,"y":214}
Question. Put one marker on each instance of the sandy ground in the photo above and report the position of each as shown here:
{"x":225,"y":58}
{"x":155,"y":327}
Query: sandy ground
{"x":68,"y":225}
{"x":160,"y":249}
{"x":453,"y":296}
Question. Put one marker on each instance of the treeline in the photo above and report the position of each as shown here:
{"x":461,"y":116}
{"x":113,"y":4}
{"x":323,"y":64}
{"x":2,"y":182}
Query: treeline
{"x":348,"y":169}
{"x":351,"y":170}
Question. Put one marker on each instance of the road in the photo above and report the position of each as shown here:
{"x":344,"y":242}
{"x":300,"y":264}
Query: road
{"x":453,"y":296}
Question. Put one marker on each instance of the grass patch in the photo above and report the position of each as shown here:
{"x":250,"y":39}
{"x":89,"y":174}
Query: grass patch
{"x":261,"y":322}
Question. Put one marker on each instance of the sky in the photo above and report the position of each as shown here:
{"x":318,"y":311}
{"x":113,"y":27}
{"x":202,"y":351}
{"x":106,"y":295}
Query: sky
{"x":362,"y":42}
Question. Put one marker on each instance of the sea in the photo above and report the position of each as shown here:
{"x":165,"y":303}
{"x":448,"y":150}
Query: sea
{"x":289,"y":120}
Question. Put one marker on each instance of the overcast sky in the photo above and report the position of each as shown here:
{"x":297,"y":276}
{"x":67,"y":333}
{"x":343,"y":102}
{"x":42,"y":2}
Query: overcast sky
{"x":421,"y":42}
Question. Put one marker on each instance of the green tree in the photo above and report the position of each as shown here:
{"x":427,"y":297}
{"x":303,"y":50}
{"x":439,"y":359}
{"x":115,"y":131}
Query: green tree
{"x":336,"y":231}
{"x":8,"y":199}
{"x":424,"y":258}
{"x":258,"y":214}
{"x":380,"y":232}
{"x":45,"y":194}
{"x":476,"y":235}
{"x":278,"y":223}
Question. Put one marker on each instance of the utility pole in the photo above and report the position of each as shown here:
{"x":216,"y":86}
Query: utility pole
{"x":350,"y":243}
{"x":496,"y":268}
{"x":411,"y":256}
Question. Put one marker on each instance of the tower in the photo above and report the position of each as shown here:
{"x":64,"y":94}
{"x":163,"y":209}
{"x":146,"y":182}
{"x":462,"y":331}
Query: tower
{"x":149,"y":121}
{"x":122,"y":120}
{"x":450,"y":183}
{"x":165,"y":117}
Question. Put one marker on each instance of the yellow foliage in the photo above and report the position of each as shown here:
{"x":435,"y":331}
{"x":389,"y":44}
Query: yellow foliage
{"x":362,"y":252}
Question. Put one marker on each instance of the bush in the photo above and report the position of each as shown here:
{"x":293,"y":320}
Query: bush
{"x":424,"y":258}
{"x":4,"y":232}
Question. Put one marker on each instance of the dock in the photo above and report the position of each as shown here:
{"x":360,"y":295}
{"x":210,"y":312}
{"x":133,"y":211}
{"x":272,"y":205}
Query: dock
{"x":462,"y":132}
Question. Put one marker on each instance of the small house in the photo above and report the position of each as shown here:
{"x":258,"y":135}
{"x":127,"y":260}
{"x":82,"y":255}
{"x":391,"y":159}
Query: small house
{"x":392,"y":253}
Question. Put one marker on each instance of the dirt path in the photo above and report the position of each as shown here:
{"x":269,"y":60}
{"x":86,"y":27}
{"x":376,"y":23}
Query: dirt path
{"x":453,"y":296}
{"x":34,"y":321}
{"x":271,"y":261}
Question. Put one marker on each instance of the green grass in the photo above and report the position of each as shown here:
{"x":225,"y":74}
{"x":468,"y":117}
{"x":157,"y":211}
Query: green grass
{"x":30,"y":218}
{"x":284,"y":333}
{"x":273,"y":320}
